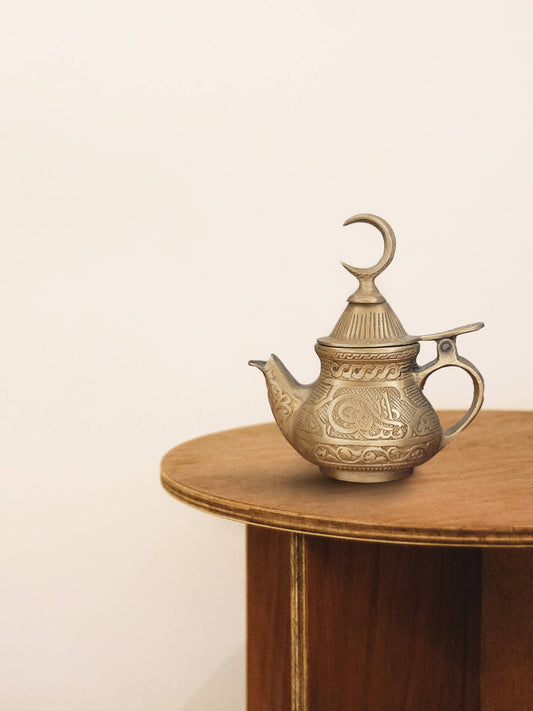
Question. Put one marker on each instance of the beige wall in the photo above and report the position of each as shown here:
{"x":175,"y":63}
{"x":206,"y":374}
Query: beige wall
{"x":173,"y":180}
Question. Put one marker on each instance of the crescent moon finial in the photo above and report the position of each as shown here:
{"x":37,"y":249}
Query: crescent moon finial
{"x":367,"y":291}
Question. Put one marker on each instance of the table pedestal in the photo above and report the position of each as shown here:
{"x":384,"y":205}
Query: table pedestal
{"x":336,"y":625}
{"x":415,"y":595}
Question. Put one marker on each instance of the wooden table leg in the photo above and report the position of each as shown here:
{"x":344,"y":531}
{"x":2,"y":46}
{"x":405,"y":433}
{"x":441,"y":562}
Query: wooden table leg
{"x":507,"y":630}
{"x":392,"y":628}
{"x":268,"y":620}
{"x":338,"y":625}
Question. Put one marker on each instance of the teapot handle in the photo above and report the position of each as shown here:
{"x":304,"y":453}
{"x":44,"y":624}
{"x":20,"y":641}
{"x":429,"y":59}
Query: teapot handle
{"x":447,"y":356}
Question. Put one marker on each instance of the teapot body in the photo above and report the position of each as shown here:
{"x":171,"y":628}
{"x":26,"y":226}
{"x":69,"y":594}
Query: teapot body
{"x":366,"y":418}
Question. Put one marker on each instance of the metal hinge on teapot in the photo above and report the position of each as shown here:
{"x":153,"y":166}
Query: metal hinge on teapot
{"x":366,"y":418}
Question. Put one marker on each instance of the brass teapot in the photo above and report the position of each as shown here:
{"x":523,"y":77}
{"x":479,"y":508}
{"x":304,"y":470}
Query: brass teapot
{"x":365,"y":418}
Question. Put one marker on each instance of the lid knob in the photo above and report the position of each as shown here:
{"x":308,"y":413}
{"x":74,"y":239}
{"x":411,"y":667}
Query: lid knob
{"x":368,"y":293}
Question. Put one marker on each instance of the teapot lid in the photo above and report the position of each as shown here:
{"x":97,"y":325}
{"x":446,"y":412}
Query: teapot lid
{"x":368,"y":320}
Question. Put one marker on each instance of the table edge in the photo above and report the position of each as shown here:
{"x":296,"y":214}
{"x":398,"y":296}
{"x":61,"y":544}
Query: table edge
{"x":331,"y":528}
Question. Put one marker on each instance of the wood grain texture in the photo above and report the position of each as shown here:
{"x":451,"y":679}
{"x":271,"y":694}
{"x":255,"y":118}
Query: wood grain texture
{"x":389,"y":628}
{"x":507,"y":631}
{"x":475,"y":492}
{"x":392,"y":628}
{"x":268,"y":620}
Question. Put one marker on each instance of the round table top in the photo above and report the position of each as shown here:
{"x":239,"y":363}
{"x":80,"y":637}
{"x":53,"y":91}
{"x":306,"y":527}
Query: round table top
{"x":478,"y":491}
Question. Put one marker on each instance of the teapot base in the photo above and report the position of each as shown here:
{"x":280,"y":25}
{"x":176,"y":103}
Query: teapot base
{"x":367,"y":476}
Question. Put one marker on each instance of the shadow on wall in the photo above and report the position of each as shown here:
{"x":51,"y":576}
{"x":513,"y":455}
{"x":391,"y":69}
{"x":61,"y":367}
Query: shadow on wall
{"x":224,"y":690}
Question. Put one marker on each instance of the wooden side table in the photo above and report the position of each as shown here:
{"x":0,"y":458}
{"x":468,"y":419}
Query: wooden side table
{"x":414,"y":595}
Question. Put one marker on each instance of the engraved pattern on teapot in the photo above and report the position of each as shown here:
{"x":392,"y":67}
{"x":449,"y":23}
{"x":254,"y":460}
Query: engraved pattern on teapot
{"x":366,"y":418}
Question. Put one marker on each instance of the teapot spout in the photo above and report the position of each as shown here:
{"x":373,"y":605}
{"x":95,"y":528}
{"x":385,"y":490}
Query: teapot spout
{"x":285,"y":393}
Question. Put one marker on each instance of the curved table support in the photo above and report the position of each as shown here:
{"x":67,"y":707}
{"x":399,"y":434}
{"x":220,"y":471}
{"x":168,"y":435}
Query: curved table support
{"x":386,"y":628}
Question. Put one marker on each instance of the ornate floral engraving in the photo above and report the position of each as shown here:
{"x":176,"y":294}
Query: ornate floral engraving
{"x":424,"y":424}
{"x":367,"y":457}
{"x":367,"y":414}
{"x":365,"y":365}
{"x":282,"y":404}
{"x":360,"y":371}
{"x":306,"y":422}
{"x":353,"y":455}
